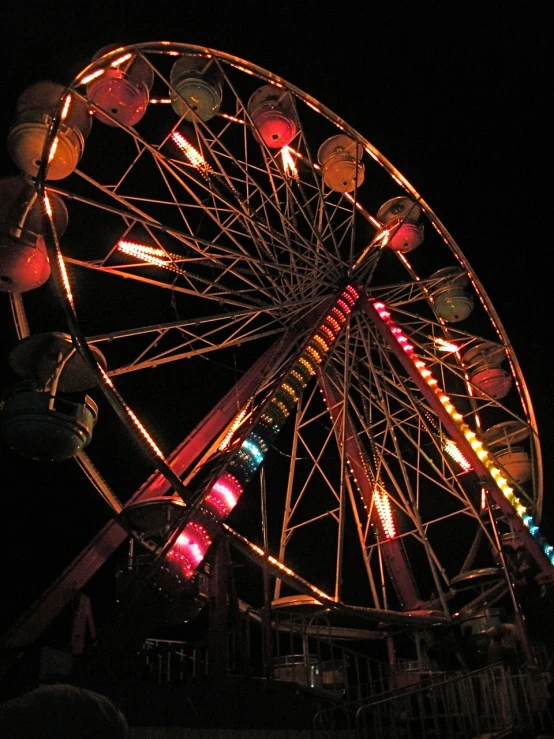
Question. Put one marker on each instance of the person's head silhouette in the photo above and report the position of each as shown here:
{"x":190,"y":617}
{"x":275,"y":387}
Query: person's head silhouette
{"x":61,"y":712}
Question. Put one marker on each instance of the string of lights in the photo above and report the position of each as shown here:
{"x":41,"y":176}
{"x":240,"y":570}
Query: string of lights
{"x":484,"y":456}
{"x":192,"y":544}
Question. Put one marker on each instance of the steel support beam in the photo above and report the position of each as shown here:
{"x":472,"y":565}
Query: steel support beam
{"x":432,"y":398}
{"x":395,"y":558}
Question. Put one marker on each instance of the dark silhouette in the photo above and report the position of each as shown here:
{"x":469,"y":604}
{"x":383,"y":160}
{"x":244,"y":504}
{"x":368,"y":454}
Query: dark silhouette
{"x":61,"y":712}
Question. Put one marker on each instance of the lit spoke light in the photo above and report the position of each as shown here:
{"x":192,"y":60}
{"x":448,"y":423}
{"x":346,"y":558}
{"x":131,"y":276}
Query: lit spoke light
{"x":66,"y":106}
{"x":289,"y":165}
{"x":53,"y":148}
{"x":192,"y":154}
{"x":382,"y":503}
{"x":225,"y":494}
{"x":121,"y":60}
{"x":452,"y":450}
{"x":232,"y":118}
{"x":92,"y":76}
{"x":445,"y":346}
{"x":152,"y":255}
{"x":477,"y":446}
{"x":226,"y":491}
{"x":65,"y":278}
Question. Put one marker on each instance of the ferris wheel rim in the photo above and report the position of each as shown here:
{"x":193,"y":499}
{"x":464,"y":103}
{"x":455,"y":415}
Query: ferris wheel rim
{"x":168,"y":48}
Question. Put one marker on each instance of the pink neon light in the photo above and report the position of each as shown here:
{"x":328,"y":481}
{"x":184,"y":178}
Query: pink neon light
{"x":397,"y":332}
{"x":191,"y":547}
{"x":344,"y":306}
{"x":224,"y":494}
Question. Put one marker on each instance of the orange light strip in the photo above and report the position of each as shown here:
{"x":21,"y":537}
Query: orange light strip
{"x":234,"y":426}
{"x":52,"y":150}
{"x":144,"y":433}
{"x":65,"y":109}
{"x":121,"y":60}
{"x":232,"y":118}
{"x":452,"y":450}
{"x":92,"y":76}
{"x":150,"y":254}
{"x":279,"y":565}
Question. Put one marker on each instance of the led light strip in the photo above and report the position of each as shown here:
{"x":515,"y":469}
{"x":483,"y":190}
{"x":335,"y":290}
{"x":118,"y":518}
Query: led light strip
{"x":482,"y":453}
{"x":382,"y":503}
{"x":191,"y":153}
{"x":452,"y":450}
{"x":204,"y":524}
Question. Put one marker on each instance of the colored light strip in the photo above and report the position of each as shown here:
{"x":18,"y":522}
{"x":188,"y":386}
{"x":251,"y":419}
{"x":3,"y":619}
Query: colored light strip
{"x":121,"y":60}
{"x":224,"y":494}
{"x":134,"y":418}
{"x":92,"y":76}
{"x":234,"y":426}
{"x":482,"y":453}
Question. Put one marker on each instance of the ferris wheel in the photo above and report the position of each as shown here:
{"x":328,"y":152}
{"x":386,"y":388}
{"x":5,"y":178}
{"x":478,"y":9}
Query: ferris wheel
{"x":302,"y":326}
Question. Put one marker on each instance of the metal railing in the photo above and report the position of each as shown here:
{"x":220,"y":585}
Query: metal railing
{"x":308,"y":654}
{"x":312,"y":660}
{"x":492,"y":701}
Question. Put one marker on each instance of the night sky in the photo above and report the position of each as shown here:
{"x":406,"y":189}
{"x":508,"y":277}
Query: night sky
{"x":455,"y":98}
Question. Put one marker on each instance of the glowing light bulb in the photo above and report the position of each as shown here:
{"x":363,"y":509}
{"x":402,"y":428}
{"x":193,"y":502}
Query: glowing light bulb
{"x":92,"y":76}
{"x":53,"y":149}
{"x":192,"y":154}
{"x":452,"y":450}
{"x":234,"y":426}
{"x":445,"y":346}
{"x":289,"y":165}
{"x":121,"y":60}
{"x":66,"y":106}
{"x":384,"y":511}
